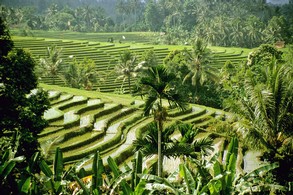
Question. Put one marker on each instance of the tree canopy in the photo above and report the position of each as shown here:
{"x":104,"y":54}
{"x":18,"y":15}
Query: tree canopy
{"x":21,"y":108}
{"x":245,"y":23}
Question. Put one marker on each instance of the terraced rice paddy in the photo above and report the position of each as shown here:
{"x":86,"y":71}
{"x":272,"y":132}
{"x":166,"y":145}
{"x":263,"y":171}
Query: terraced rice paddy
{"x":130,"y":37}
{"x":105,"y":55}
{"x":88,"y":125}
{"x":80,"y":125}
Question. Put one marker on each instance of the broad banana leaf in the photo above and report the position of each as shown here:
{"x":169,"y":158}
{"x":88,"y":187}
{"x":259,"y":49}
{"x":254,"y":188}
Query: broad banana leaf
{"x":98,"y":170}
{"x":189,"y":180}
{"x":58,"y":165}
{"x":45,"y":169}
{"x":118,"y":176}
{"x":81,"y":184}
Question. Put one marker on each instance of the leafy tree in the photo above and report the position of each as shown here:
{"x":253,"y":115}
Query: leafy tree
{"x":128,"y":67}
{"x":153,"y":17}
{"x":198,"y":64}
{"x":81,"y":74}
{"x":157,"y":85}
{"x":122,"y":9}
{"x":5,"y":39}
{"x":176,"y":36}
{"x":51,"y":64}
{"x":149,"y":58}
{"x":176,"y":63}
{"x":261,"y":58}
{"x":62,"y":21}
{"x":21,"y":108}
{"x":261,"y":93}
{"x":21,"y":112}
{"x":135,"y":6}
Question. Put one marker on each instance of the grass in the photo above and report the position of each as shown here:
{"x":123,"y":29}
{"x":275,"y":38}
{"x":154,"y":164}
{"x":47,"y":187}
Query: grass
{"x":79,"y":142}
{"x":78,"y":139}
{"x":121,"y":116}
{"x":106,"y":55}
{"x":123,"y":99}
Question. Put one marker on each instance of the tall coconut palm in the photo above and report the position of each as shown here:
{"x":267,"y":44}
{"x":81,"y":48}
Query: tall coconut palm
{"x":88,"y":16}
{"x":198,"y":64}
{"x":254,"y":31}
{"x":51,"y":64}
{"x":236,"y":33}
{"x":157,"y":85}
{"x":128,"y":67}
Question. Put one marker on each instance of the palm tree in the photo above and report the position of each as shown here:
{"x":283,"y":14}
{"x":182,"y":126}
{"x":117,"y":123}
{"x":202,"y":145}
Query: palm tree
{"x":134,"y":8}
{"x":198,"y":64}
{"x":81,"y":74}
{"x":88,"y":16}
{"x":215,"y":175}
{"x":236,"y":34}
{"x":157,"y":85}
{"x":51,"y":64}
{"x":184,"y":145}
{"x":254,"y":31}
{"x":266,"y":115}
{"x":127,"y":67}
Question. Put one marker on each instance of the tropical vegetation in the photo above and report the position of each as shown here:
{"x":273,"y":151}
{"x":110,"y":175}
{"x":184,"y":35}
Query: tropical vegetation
{"x":223,"y":23}
{"x":185,"y":123}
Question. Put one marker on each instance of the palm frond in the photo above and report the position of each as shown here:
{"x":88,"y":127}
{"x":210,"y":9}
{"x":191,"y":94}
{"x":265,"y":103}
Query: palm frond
{"x":149,"y":104}
{"x":203,"y":145}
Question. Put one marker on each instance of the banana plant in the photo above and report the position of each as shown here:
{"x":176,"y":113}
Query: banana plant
{"x":215,"y":176}
{"x":98,"y":170}
{"x":117,"y":182}
{"x":258,"y":181}
{"x":97,"y":179}
{"x":57,"y":180}
{"x":224,"y":178}
{"x":155,"y":184}
{"x":227,"y":170}
{"x":29,"y":181}
{"x":8,"y":162}
{"x":129,"y":180}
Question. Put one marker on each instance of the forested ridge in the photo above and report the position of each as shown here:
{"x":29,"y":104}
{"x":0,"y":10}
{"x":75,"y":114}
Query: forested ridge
{"x":246,"y":23}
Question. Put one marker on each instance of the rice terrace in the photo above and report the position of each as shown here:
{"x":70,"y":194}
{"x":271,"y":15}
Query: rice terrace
{"x":80,"y":125}
{"x":151,"y":98}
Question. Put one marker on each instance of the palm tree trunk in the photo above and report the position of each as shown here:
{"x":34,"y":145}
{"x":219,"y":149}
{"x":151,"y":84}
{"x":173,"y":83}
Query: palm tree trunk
{"x":160,"y":130}
{"x":160,"y":156}
{"x":129,"y":88}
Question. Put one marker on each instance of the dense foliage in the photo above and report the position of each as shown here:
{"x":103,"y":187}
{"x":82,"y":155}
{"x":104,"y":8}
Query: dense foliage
{"x":225,"y":23}
{"x":258,"y":92}
{"x":195,"y":75}
{"x":21,"y":108}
